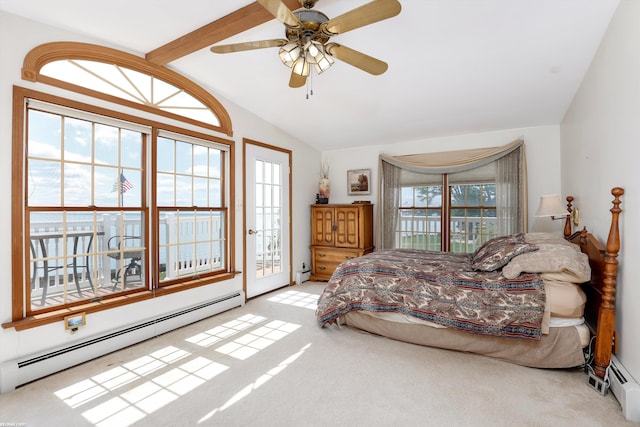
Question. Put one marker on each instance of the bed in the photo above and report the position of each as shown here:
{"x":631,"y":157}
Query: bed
{"x":534,"y":299}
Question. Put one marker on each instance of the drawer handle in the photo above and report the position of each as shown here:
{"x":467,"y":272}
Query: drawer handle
{"x":322,"y":268}
{"x":349,"y":257}
{"x":322,"y":255}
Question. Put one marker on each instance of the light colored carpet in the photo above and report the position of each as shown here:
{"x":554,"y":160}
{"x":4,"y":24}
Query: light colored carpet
{"x":269,"y":364}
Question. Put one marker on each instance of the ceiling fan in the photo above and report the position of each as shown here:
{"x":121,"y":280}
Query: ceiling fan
{"x":308,"y":31}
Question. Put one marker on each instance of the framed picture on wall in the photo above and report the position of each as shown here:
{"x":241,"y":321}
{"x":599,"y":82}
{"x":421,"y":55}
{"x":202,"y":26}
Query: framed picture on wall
{"x":358,"y":181}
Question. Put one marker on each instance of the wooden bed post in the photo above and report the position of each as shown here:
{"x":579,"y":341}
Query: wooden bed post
{"x":567,"y":222}
{"x":606,"y":313}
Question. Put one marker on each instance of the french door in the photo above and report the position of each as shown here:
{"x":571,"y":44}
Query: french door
{"x":267,"y":218}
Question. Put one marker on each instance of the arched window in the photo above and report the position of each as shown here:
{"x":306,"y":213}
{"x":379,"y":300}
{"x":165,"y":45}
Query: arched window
{"x":126,"y":79}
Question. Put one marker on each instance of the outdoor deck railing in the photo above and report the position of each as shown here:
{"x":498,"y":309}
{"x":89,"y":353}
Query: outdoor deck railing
{"x":469,"y":232}
{"x":85,"y":260}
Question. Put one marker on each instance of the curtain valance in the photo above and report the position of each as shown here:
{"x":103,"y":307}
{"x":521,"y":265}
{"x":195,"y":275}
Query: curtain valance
{"x":451,"y":161}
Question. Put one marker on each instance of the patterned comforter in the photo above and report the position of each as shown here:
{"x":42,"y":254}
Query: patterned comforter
{"x":439,"y":287}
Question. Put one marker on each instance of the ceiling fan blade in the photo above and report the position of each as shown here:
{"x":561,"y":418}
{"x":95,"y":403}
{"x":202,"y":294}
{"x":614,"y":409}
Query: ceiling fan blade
{"x":237,"y":47}
{"x":281,"y":12}
{"x":358,"y":59}
{"x":375,"y":11}
{"x":296,"y":80}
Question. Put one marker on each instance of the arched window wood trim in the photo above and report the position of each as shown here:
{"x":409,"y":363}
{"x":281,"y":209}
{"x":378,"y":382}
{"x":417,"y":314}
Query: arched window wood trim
{"x":45,"y":53}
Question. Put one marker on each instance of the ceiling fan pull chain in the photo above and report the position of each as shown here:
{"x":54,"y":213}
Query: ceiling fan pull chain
{"x":310,"y":85}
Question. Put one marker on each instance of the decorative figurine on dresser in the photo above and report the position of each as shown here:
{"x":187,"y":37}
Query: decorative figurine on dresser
{"x":339,"y":232}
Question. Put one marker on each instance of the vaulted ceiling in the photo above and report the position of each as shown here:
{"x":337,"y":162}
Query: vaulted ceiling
{"x":454,"y":66}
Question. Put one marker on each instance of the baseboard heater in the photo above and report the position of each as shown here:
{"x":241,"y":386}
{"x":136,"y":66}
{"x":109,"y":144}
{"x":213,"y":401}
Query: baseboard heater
{"x":18,"y":372}
{"x":625,"y":389}
{"x":302,"y":276}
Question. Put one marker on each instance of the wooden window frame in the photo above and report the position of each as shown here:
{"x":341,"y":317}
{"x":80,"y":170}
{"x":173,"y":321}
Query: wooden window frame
{"x":32,"y":65}
{"x":20,"y":319}
{"x":445,"y":208}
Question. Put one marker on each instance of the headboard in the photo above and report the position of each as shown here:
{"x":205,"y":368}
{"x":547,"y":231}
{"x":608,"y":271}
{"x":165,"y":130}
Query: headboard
{"x":600,"y":307}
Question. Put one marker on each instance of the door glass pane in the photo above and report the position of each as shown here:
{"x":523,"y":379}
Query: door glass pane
{"x":267,"y":219}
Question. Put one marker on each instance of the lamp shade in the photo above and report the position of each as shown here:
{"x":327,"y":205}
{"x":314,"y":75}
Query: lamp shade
{"x":551,"y":205}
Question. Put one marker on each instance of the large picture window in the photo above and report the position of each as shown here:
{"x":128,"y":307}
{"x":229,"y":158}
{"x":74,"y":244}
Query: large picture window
{"x":93,"y":232}
{"x":452,"y":201}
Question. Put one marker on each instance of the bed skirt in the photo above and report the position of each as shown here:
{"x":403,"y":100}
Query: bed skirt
{"x":561,"y":348}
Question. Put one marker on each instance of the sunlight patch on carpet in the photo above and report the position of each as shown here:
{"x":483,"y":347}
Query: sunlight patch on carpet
{"x":297,"y":299}
{"x":226,"y":330}
{"x":159,"y":385}
{"x":257,"y":339}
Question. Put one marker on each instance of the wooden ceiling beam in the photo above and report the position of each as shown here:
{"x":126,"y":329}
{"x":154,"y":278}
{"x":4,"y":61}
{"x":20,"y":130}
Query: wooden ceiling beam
{"x":236,"y":22}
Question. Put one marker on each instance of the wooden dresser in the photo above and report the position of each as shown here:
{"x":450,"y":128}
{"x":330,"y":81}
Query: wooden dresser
{"x":339,"y":232}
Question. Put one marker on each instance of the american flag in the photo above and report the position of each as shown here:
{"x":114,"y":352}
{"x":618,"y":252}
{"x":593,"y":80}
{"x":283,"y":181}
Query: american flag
{"x":124,"y":183}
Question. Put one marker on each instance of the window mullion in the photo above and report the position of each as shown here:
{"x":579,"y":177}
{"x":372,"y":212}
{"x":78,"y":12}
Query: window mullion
{"x":446,"y":214}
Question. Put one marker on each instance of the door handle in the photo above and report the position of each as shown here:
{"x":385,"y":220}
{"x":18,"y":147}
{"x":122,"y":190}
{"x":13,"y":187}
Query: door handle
{"x":252,"y":231}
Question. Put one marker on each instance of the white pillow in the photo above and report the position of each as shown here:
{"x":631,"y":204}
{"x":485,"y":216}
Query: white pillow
{"x":542,"y":238}
{"x":565,"y":299}
{"x":550,"y":258}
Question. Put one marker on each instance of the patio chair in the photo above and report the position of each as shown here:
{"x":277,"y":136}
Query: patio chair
{"x":132,"y":257}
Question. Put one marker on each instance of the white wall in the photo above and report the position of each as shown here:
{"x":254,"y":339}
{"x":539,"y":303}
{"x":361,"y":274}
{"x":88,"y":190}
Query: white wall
{"x":17,"y":37}
{"x":542,"y":146}
{"x":600,"y":139}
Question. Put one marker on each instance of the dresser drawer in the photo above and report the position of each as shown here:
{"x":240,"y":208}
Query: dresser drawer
{"x":336,"y":256}
{"x":325,"y":260}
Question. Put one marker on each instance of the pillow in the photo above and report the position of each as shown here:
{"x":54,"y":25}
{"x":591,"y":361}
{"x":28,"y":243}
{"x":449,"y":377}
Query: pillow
{"x":539,"y":238}
{"x":565,"y":299}
{"x":489,"y":245}
{"x":562,"y":262}
{"x":498,"y":251}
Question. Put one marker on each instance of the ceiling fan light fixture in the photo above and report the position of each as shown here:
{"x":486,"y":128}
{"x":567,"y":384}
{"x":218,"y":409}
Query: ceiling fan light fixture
{"x":307,"y":32}
{"x":312,"y":47}
{"x":301,"y":66}
{"x":289,"y":53}
{"x":323,"y":64}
